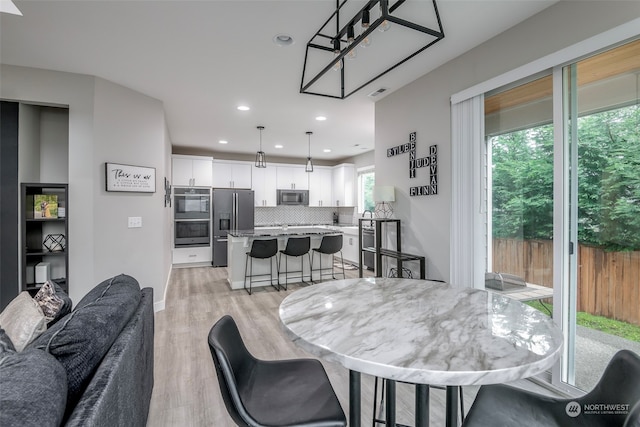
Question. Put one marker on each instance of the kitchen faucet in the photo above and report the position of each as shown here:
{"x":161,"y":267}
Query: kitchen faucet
{"x":370,"y":216}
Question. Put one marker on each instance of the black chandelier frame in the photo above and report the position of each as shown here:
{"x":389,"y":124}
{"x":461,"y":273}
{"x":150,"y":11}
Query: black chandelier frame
{"x":341,"y":32}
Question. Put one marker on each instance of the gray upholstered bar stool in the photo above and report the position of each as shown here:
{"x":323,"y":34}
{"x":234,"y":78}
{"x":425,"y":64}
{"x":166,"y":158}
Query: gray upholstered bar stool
{"x":261,"y":249}
{"x":330,"y":245}
{"x":296,"y":247}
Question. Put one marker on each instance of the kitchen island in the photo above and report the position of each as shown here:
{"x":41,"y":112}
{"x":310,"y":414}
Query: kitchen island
{"x":239,"y":244}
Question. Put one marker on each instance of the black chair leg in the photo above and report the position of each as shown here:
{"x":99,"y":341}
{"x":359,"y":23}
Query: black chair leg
{"x":277,"y":285}
{"x":245,"y":274}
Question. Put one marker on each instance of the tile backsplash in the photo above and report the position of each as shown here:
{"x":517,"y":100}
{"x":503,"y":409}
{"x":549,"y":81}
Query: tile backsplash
{"x":292,"y":215}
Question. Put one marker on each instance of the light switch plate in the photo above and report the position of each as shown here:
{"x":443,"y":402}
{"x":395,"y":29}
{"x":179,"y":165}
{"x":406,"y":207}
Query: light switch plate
{"x":135,"y":221}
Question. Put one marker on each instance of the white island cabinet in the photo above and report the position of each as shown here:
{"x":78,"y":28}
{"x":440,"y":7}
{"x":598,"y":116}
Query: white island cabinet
{"x":239,"y":244}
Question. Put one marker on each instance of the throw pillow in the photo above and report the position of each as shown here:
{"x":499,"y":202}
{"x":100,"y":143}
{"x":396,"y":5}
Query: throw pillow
{"x":48,"y":301}
{"x":23,"y":320}
{"x":54,"y":301}
{"x":34,"y":389}
{"x":80,"y":340}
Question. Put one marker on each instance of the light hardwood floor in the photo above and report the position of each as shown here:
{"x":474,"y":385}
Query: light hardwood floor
{"x":186,"y":391}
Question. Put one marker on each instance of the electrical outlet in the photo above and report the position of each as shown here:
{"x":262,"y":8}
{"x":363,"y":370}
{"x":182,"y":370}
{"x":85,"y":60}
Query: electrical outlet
{"x":135,"y":221}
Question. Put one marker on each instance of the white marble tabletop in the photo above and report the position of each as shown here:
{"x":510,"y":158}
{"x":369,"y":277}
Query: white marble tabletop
{"x":421,"y":332}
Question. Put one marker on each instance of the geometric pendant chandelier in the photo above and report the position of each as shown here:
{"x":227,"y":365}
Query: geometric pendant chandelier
{"x":359,"y":44}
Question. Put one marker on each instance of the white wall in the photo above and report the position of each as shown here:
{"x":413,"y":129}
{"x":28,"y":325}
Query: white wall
{"x":107,"y":122}
{"x":423,"y":106}
{"x":128,"y":128}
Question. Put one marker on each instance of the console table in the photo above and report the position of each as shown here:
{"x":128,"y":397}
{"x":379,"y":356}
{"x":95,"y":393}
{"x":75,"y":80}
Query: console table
{"x":380,"y":252}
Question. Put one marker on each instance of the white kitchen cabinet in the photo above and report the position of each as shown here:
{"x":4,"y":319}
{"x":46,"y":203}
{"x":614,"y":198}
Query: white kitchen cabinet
{"x":264,"y":186}
{"x":192,"y":255}
{"x":191,"y":171}
{"x":350,"y":245}
{"x":320,"y":190}
{"x":344,"y":179}
{"x":229,"y":174}
{"x":292,"y":178}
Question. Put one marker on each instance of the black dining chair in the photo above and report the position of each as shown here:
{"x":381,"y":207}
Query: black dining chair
{"x":329,"y":245}
{"x":296,"y":247}
{"x":259,"y":393}
{"x":503,"y":405}
{"x":261,"y":249}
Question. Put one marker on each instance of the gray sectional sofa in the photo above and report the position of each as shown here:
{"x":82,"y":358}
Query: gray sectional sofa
{"x":93,"y":367}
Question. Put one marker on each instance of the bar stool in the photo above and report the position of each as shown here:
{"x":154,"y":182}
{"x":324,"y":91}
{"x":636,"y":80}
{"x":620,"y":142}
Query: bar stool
{"x":261,"y":249}
{"x":329,"y":245}
{"x":296,"y":247}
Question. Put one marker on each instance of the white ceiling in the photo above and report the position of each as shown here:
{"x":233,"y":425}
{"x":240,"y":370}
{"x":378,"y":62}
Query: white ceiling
{"x":204,"y":58}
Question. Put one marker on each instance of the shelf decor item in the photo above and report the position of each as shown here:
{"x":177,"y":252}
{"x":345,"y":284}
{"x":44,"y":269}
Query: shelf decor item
{"x":55,"y":242}
{"x":45,"y":206}
{"x":383,"y":195}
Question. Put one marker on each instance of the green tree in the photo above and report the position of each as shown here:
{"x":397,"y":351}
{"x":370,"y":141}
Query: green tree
{"x":608,"y":181}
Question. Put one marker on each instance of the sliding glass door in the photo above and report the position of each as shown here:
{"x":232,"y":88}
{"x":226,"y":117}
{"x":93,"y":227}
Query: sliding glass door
{"x":602,"y":142}
{"x":563,"y":198}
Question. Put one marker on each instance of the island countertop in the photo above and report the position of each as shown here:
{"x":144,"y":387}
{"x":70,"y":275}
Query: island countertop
{"x":282,"y":232}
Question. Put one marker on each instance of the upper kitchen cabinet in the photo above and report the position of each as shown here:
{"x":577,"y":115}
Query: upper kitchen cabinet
{"x":320,"y":192}
{"x":264,"y":186}
{"x":191,"y":171}
{"x":292,"y":178}
{"x":230,"y":174}
{"x":344,"y":177}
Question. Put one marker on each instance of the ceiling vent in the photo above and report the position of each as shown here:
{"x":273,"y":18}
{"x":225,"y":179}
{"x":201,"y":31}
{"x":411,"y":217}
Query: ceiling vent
{"x":377,"y":92}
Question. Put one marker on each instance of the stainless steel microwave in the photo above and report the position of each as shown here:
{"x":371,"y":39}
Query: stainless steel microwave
{"x":293,"y":197}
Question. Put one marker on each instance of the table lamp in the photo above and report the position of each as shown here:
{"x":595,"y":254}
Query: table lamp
{"x":382,"y":195}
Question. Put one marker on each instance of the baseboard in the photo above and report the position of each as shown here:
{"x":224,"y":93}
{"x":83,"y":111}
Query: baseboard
{"x":159,"y":306}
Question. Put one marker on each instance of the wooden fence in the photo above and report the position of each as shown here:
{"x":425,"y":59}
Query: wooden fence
{"x":608,"y":282}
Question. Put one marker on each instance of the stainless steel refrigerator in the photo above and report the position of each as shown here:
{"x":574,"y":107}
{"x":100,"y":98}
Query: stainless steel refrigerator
{"x":232,"y":210}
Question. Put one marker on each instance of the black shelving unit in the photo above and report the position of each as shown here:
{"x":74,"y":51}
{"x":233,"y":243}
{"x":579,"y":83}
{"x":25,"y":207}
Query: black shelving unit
{"x":379,"y":251}
{"x":44,"y":238}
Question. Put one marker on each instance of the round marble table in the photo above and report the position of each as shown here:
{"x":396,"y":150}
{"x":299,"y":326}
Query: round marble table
{"x":421,"y":332}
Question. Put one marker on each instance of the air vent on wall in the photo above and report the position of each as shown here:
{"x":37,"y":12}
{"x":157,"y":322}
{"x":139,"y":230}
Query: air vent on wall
{"x":377,"y":92}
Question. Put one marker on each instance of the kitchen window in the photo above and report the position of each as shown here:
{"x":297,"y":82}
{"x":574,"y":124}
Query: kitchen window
{"x":366,"y":182}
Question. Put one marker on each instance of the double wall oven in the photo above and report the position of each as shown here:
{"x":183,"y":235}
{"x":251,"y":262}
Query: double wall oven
{"x":192,"y":217}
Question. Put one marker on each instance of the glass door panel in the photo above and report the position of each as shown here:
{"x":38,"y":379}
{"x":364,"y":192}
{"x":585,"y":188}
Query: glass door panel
{"x":603,"y":308}
{"x":520,"y":144}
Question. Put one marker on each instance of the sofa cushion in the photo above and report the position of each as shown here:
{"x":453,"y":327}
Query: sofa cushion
{"x":81,"y":338}
{"x":23,"y":320}
{"x":6,"y":346}
{"x":34,"y":389}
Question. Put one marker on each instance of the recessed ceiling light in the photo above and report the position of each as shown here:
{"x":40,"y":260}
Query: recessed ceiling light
{"x":243,"y":108}
{"x":278,"y":146}
{"x":283,"y":40}
{"x":326,"y":150}
{"x":222,"y":141}
{"x":321,"y":118}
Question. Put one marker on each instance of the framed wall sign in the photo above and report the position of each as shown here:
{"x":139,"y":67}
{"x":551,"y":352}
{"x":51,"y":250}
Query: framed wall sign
{"x":136,"y":179}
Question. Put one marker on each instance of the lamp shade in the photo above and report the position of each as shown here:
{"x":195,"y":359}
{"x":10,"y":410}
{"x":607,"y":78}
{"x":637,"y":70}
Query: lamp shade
{"x":384,"y":193}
